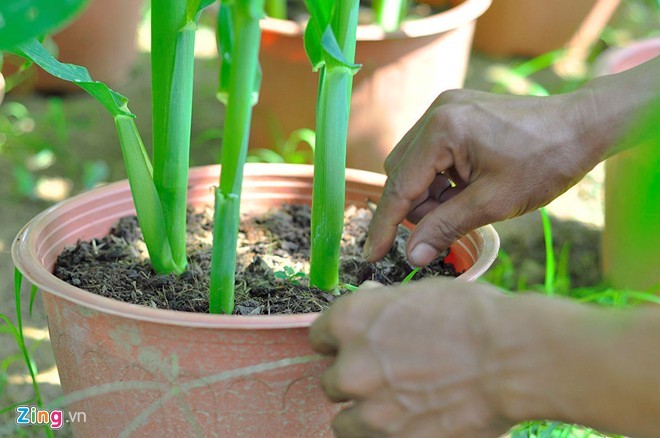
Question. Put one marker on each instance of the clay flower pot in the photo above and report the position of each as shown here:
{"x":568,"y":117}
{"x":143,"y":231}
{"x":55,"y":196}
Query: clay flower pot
{"x":143,"y":370}
{"x":2,"y":87}
{"x":402,"y":73}
{"x":632,"y":216}
{"x":533,"y":27}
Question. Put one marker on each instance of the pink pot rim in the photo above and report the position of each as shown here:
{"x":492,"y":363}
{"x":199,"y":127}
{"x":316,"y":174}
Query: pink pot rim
{"x":457,"y":16}
{"x":614,"y":59}
{"x":26,"y":260}
{"x":2,"y":87}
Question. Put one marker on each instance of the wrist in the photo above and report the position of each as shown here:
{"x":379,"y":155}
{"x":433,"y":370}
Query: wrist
{"x":558,"y":360}
{"x":531,"y":347}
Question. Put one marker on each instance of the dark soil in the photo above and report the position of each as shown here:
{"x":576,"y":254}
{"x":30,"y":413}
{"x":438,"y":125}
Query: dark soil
{"x":272,"y":262}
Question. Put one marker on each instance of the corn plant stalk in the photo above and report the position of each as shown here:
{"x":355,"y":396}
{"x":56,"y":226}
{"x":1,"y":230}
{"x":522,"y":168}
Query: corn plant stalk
{"x":276,"y":9}
{"x":172,"y":61}
{"x":390,"y":13}
{"x":330,"y":43}
{"x":239,"y":38}
{"x":160,"y":204}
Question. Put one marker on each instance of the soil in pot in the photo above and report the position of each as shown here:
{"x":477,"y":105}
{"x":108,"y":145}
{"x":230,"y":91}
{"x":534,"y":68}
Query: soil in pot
{"x":273,"y":255}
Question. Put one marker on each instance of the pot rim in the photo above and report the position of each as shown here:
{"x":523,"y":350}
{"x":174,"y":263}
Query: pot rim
{"x":2,"y":87}
{"x":611,"y":61}
{"x":25,"y":259}
{"x":457,"y":16}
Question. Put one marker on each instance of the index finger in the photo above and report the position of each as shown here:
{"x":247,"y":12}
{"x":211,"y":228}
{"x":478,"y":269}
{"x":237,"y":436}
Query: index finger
{"x":347,"y":318}
{"x":320,"y":336}
{"x":410,"y":179}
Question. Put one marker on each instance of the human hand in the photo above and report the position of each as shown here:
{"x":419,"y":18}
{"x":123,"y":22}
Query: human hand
{"x":413,"y":359}
{"x":507,"y":155}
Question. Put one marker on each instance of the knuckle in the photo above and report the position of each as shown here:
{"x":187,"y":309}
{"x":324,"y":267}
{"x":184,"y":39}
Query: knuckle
{"x":396,"y":188}
{"x":389,"y":164}
{"x":492,"y":208}
{"x":443,"y":232}
{"x":449,"y":96}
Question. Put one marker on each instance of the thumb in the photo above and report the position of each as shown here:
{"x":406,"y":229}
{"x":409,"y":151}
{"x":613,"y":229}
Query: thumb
{"x":447,"y":222}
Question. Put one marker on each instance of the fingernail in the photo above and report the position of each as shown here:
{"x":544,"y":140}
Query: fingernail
{"x":422,"y":254}
{"x":366,"y":250}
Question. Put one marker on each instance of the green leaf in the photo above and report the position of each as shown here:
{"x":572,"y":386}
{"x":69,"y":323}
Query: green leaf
{"x":312,"y":44}
{"x":33,"y":294}
{"x":114,"y":102}
{"x":145,"y":196}
{"x":225,"y":38}
{"x":195,"y":8}
{"x":321,"y":43}
{"x":20,"y":339}
{"x":21,"y":20}
{"x":410,"y":276}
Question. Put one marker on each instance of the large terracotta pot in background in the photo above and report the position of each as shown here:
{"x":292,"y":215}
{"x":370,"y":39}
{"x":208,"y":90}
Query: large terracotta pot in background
{"x":402,"y":73}
{"x":533,"y":27}
{"x":133,"y":368}
{"x":631,"y":240}
{"x":103,"y":39}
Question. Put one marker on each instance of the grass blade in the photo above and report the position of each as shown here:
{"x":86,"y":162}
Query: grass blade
{"x":549,"y":254}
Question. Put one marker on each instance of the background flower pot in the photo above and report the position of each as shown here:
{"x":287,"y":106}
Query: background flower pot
{"x":2,"y":87}
{"x":533,"y":27}
{"x":133,"y":368}
{"x":103,"y":39}
{"x":402,"y":73}
{"x":631,"y":240}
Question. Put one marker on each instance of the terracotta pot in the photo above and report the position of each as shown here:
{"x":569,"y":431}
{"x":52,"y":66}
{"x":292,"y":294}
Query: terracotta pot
{"x":2,"y":88}
{"x":402,"y":73}
{"x":103,"y":39}
{"x":134,"y":368}
{"x":632,"y":216}
{"x":533,"y":27}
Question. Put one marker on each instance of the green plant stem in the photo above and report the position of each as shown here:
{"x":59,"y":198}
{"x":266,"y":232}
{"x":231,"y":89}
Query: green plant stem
{"x":276,"y":9}
{"x":390,"y":13}
{"x":332,"y":111}
{"x":245,"y":16}
{"x":328,"y":197}
{"x":549,"y":254}
{"x":20,"y":338}
{"x":172,"y":60}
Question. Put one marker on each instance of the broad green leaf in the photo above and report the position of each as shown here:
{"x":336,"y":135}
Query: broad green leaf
{"x":21,"y":20}
{"x":114,"y":102}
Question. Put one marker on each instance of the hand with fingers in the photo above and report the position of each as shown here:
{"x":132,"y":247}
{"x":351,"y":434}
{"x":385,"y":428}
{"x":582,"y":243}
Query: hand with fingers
{"x":475,"y":158}
{"x":444,"y":358}
{"x":413,"y":361}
